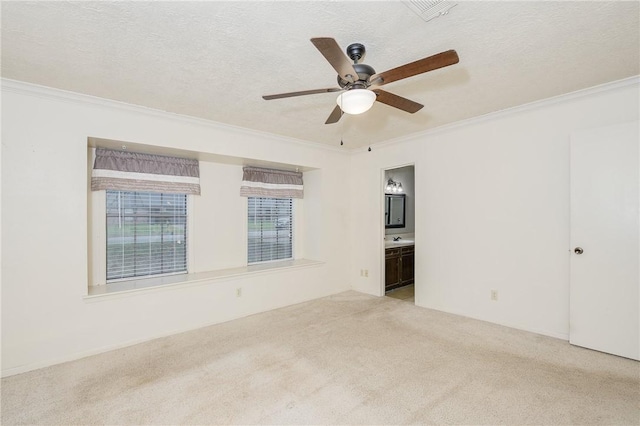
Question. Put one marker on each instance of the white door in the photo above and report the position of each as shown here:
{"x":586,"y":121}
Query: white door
{"x":605,"y":236}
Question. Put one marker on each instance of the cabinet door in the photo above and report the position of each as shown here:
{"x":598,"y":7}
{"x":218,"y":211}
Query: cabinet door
{"x":407,"y":268}
{"x":392,"y":270}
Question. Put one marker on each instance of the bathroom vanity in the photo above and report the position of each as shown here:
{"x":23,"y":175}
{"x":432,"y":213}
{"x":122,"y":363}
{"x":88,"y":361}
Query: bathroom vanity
{"x":399,"y":259}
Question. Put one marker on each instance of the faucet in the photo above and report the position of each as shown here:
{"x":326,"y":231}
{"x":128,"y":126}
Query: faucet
{"x":396,"y":238}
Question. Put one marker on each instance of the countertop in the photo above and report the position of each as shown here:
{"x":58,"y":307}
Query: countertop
{"x":399,"y":243}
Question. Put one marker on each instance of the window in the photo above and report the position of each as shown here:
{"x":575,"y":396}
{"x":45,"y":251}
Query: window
{"x":146,"y":234}
{"x":270,"y":229}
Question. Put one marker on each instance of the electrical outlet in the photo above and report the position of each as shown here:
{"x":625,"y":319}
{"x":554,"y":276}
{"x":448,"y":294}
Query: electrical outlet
{"x":239,"y":292}
{"x":494,"y":295}
{"x":366,"y":272}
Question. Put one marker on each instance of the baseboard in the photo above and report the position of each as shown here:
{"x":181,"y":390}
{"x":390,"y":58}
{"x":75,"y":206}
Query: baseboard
{"x":83,"y":354}
{"x":561,"y":336}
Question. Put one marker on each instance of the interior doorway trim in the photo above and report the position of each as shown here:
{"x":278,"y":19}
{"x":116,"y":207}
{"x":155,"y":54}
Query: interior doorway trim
{"x":381,"y":227}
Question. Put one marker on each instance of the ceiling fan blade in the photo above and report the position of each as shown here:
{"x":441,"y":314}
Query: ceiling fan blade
{"x":335,"y":116}
{"x":440,"y":60}
{"x":397,"y":101}
{"x":338,"y":60}
{"x":302,"y":93}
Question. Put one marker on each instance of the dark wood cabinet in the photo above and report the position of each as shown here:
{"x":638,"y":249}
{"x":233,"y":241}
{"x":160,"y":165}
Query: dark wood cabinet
{"x":392,"y":268}
{"x":406,"y":261}
{"x":398,"y":266}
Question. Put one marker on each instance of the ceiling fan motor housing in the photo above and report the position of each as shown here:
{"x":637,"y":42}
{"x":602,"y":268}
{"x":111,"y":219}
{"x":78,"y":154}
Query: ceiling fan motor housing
{"x":364,"y":72}
{"x":356,"y":51}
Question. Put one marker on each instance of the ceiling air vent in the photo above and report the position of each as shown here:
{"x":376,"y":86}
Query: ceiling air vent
{"x":429,"y":10}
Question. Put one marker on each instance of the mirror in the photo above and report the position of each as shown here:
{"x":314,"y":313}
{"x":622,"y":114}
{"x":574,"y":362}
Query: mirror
{"x":394,"y":210}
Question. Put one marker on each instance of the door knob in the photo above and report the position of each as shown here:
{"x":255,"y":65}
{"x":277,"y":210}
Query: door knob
{"x":578,"y":250}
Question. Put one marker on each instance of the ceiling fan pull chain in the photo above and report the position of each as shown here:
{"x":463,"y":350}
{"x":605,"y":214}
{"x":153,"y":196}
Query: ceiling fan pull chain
{"x":341,"y":124}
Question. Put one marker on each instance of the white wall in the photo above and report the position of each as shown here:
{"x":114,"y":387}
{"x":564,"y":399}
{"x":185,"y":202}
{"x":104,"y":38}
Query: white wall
{"x":492,"y":212}
{"x":492,"y":209}
{"x":46,"y":319}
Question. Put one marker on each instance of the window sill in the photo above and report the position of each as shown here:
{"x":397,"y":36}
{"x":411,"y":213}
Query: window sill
{"x":117,"y":289}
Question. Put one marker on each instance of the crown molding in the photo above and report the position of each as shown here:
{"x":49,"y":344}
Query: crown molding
{"x":31,"y":89}
{"x":582,"y":93}
{"x":46,"y":92}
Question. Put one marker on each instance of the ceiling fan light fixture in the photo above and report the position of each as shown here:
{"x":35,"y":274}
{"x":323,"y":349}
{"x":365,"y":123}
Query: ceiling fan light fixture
{"x":356,"y":101}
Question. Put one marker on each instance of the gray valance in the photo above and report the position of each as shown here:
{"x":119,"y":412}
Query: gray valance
{"x":134,"y":171}
{"x":259,"y":182}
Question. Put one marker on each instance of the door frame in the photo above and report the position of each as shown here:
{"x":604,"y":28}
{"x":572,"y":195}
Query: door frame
{"x":381,"y":226}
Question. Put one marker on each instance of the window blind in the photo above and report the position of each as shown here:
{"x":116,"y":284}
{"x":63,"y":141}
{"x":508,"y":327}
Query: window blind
{"x":146,"y":234}
{"x":270,"y":229}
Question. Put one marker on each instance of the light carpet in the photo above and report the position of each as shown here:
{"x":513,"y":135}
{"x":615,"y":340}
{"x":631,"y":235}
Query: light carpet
{"x":345,"y":359}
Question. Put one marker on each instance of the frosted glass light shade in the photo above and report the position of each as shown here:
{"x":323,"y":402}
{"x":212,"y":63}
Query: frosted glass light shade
{"x":356,"y":101}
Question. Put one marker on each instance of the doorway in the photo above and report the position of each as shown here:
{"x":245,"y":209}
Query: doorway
{"x":399,"y":233}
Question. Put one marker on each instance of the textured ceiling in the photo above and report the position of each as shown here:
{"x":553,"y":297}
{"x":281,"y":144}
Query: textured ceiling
{"x":214,"y":60}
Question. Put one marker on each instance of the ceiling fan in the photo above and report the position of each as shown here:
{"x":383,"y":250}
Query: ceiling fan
{"x":361,"y":83}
